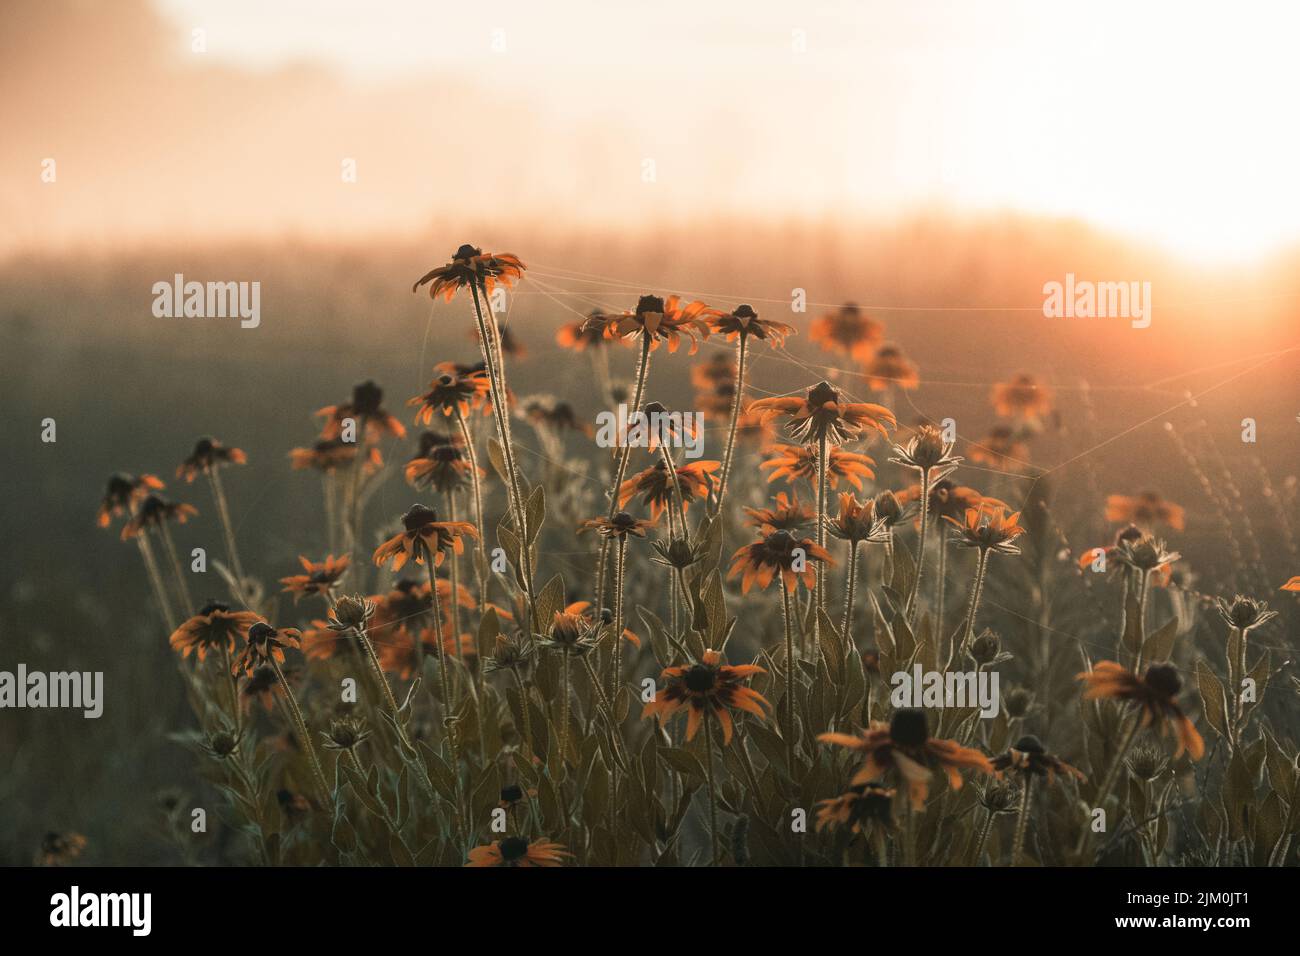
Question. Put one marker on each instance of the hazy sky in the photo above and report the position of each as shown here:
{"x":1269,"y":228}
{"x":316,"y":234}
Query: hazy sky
{"x":1170,"y":122}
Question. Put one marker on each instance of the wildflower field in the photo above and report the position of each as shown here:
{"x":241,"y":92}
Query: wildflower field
{"x":787,"y":622}
{"x":683,"y":435}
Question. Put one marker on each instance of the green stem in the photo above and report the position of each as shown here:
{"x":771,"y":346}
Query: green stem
{"x":736,"y":405}
{"x":1022,"y":819}
{"x":301,"y":726}
{"x":789,"y":678}
{"x":186,"y":601}
{"x":713,"y":794}
{"x":223,"y":512}
{"x":620,"y":562}
{"x":495,"y":363}
{"x":912,"y":602}
{"x":850,"y":588}
{"x":481,"y":561}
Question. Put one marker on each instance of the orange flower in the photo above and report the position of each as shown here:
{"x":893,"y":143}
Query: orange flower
{"x":319,"y":579}
{"x":424,"y":535}
{"x":1153,"y":694}
{"x":453,"y":391}
{"x":619,"y":526}
{"x":707,"y":686}
{"x":1000,"y":450}
{"x":471,"y":268}
{"x":1028,"y":756}
{"x":657,"y":485}
{"x":905,"y":746}
{"x":153,"y":511}
{"x":856,"y":521}
{"x":744,"y":323}
{"x":366,"y":406}
{"x":263,"y":687}
{"x":1292,"y":585}
{"x":581,"y":334}
{"x":849,"y":331}
{"x":658,"y":320}
{"x":332,"y":454}
{"x":516,"y":851}
{"x":1144,"y":510}
{"x":949,"y":500}
{"x":793,"y":462}
{"x":213,"y":628}
{"x":863,"y":804}
{"x":208,"y":454}
{"x":787,"y":515}
{"x":1022,"y":397}
{"x":762,"y":560}
{"x":987,"y":528}
{"x":822,"y":414}
{"x":263,"y":644}
{"x":445,"y":467}
{"x":890,"y":367}
{"x":122,"y":494}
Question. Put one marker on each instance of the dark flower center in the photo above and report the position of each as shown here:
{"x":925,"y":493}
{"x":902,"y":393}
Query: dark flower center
{"x":511,"y":793}
{"x":1029,"y":744}
{"x":649,"y":303}
{"x":513,"y":848}
{"x":467,"y":252}
{"x":700,"y":678}
{"x":821,"y":394}
{"x":418,"y":516}
{"x":212,"y":607}
{"x":623,"y":521}
{"x":259,"y":632}
{"x":1164,"y":679}
{"x":909,"y":728}
{"x":745,"y":312}
{"x":366,"y":398}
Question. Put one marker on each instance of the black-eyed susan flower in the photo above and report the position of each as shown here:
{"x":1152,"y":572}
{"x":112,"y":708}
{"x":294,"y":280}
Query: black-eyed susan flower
{"x":822,"y":415}
{"x":656,"y":487}
{"x":153,"y":511}
{"x":517,"y":851}
{"x":471,"y":268}
{"x":1001,"y":449}
{"x":777,"y":554}
{"x":263,"y":687}
{"x":263,"y":644}
{"x":928,"y":452}
{"x":423,"y":536}
{"x":455,"y":390}
{"x":1028,"y":756}
{"x":656,"y":320}
{"x":856,"y":809}
{"x":124,"y":491}
{"x":581,"y":334}
{"x":856,"y":522}
{"x":743,"y":322}
{"x":905,"y":746}
{"x":60,"y":848}
{"x":330,"y":455}
{"x":320,"y":577}
{"x":786,"y":513}
{"x":1153,"y":694}
{"x":990,"y":529}
{"x":366,"y":405}
{"x":707,"y":686}
{"x":208,"y":454}
{"x":444,"y":468}
{"x":793,"y":462}
{"x":950,"y":500}
{"x":214,"y":628}
{"x":1023,"y":397}
{"x":619,"y":526}
{"x":849,"y":331}
{"x":890,"y":368}
{"x":1145,"y":510}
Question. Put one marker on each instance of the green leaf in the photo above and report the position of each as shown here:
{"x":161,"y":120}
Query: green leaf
{"x":535,"y":513}
{"x":1213,"y":701}
{"x":1160,"y":645}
